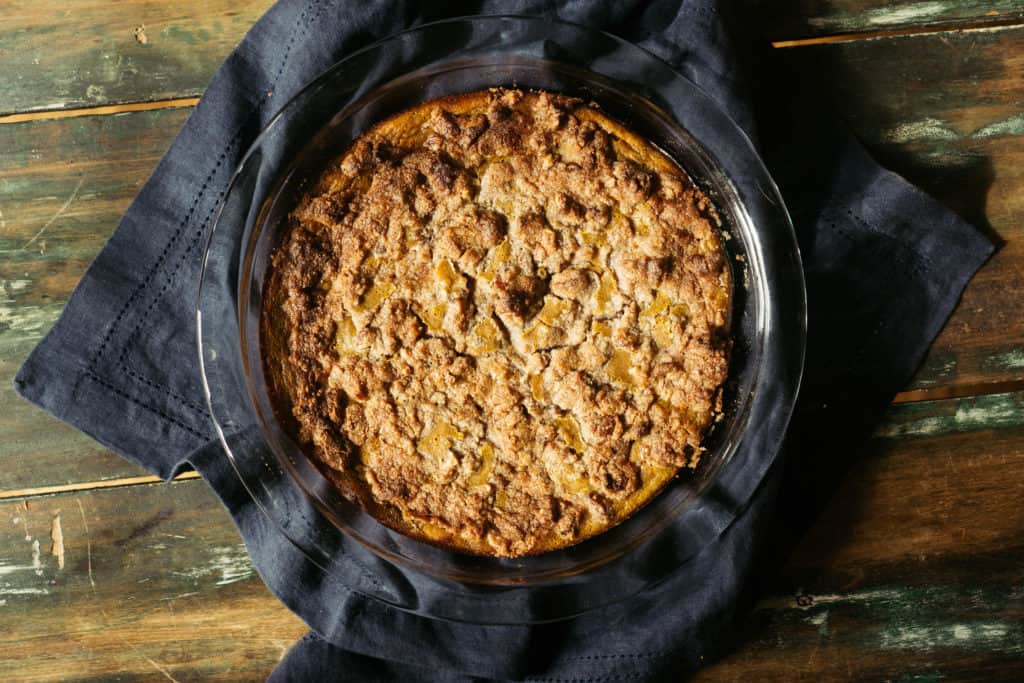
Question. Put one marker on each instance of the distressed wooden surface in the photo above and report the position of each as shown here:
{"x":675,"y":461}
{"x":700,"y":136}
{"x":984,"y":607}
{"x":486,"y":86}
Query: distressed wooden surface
{"x":63,"y":186}
{"x":59,"y":54}
{"x":144,"y":581}
{"x":915,"y":571}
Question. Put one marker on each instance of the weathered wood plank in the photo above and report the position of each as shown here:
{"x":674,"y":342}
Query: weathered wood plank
{"x":83,"y":53}
{"x":807,"y":18}
{"x":144,"y":581}
{"x":88,"y":52}
{"x":914,"y":571}
{"x":938,"y":478}
{"x":63,"y":187}
{"x":928,"y":620}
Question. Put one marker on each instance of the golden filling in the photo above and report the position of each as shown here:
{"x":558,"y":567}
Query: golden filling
{"x":500,"y":322}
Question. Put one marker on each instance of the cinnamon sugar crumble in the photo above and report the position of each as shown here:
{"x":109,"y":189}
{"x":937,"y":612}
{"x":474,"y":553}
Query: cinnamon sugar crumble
{"x":500,"y":320}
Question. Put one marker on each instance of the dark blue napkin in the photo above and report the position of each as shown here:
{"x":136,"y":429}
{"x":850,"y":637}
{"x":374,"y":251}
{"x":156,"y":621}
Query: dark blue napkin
{"x":884,"y":265}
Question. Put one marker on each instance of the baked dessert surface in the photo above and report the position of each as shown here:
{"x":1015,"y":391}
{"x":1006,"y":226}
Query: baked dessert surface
{"x":500,"y":322}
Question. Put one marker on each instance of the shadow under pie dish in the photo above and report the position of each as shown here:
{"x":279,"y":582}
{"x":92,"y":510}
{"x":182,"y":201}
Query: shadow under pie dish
{"x":765,"y":319}
{"x":499,"y":321}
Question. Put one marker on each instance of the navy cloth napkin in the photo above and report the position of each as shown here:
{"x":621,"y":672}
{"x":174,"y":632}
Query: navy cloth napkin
{"x":884,"y":265}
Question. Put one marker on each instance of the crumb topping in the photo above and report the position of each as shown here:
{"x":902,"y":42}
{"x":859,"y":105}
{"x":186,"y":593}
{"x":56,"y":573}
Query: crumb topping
{"x":501,"y":320}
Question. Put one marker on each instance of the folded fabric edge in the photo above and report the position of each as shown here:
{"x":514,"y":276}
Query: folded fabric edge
{"x":950,"y":250}
{"x":43,"y":380}
{"x":311,"y":658}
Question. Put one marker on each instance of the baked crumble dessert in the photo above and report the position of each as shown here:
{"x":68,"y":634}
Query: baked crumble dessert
{"x":500,"y":321}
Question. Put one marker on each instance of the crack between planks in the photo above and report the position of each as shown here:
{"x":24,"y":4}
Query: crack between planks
{"x":91,"y":485}
{"x":104,"y":110}
{"x":961,"y":391}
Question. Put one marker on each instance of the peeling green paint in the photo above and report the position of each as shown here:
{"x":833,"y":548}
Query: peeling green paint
{"x":934,"y":418}
{"x":985,"y":635}
{"x":821,"y":621}
{"x":808,"y":601}
{"x":1011,"y":126}
{"x":189,"y":37}
{"x":27,"y":322}
{"x":926,"y":677}
{"x":10,"y":288}
{"x":1008,"y":361}
{"x":910,"y":618}
{"x":228,"y":564}
{"x":929,"y":128}
{"x":895,"y":14}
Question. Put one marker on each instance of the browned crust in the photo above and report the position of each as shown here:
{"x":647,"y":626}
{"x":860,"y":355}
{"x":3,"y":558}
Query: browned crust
{"x":500,"y":322}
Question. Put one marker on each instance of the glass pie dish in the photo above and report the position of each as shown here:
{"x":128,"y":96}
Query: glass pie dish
{"x":768,"y":326}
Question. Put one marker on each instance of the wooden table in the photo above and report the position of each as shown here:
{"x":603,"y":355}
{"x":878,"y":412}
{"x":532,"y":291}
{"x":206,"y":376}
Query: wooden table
{"x":914,"y":573}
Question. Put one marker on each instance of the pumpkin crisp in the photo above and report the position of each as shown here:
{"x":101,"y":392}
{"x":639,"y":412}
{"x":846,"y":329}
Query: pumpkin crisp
{"x":500,"y":322}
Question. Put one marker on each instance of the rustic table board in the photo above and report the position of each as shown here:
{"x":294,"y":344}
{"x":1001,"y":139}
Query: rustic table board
{"x":915,"y":572}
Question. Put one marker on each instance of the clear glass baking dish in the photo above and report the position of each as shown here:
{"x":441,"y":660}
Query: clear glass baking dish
{"x":462,"y":55}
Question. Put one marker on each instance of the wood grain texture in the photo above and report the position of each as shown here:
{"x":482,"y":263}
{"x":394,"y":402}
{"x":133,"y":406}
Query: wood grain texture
{"x":916,"y":569}
{"x":81,"y":53}
{"x":155,"y":584}
{"x":914,"y":621}
{"x":63,"y":187}
{"x":84,"y":53}
{"x":938,"y":479}
{"x":806,"y":18}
